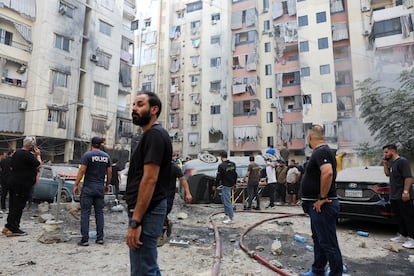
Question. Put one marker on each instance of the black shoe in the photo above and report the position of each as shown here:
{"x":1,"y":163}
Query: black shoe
{"x":247,"y":208}
{"x":270,"y":206}
{"x":83,"y":243}
{"x":100,"y":241}
{"x":257,"y":208}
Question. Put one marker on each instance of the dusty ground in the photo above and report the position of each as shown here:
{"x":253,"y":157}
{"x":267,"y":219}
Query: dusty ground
{"x":363,"y":255}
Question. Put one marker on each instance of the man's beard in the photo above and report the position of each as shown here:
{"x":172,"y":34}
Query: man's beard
{"x":141,"y":120}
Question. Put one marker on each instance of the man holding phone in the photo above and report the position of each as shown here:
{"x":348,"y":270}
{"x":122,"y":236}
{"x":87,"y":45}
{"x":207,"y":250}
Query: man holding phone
{"x":24,"y":164}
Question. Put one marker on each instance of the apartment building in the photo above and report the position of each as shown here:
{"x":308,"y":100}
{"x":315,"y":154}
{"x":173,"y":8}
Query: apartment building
{"x":66,"y":75}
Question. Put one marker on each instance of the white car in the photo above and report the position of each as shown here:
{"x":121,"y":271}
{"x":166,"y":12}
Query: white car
{"x":123,"y":182}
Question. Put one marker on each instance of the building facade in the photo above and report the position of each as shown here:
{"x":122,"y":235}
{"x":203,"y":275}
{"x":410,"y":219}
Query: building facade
{"x":66,"y":74}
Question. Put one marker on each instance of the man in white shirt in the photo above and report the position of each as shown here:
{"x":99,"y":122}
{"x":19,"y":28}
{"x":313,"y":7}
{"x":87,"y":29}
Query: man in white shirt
{"x":271,"y":181}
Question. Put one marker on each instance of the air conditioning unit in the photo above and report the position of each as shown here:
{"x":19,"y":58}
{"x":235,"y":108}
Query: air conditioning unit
{"x":365,"y":33}
{"x":22,"y":105}
{"x":365,"y":8}
{"x":62,"y":10}
{"x":273,"y":105}
{"x":192,"y":143}
{"x":214,"y":22}
{"x":94,"y":58}
{"x":193,"y":83}
{"x":193,"y":123}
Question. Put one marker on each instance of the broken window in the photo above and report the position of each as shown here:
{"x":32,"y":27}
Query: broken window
{"x":98,"y":125}
{"x":215,"y":109}
{"x":215,"y":86}
{"x":215,"y":62}
{"x":58,"y":116}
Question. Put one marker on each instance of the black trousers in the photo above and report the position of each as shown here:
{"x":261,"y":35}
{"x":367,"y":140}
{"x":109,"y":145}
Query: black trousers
{"x":404,"y":212}
{"x":17,"y":202}
{"x":253,"y":192}
{"x":280,"y":192}
{"x":4,"y":192}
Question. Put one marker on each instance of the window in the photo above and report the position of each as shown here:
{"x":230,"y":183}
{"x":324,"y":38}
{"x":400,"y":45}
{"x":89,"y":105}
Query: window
{"x":195,"y":42}
{"x":307,"y":99}
{"x":304,"y":46}
{"x":59,"y":79}
{"x":244,"y":108}
{"x":323,"y":43}
{"x":343,"y":78}
{"x":388,"y":27}
{"x":215,"y":39}
{"x":134,"y":25}
{"x":124,"y":128}
{"x":303,"y":20}
{"x":292,"y":58}
{"x":174,"y":121}
{"x":215,"y":109}
{"x":58,"y":116}
{"x":194,"y":79}
{"x":195,"y":6}
{"x":341,"y":53}
{"x":147,"y":23}
{"x":193,"y":119}
{"x":327,"y":97}
{"x":305,"y":71}
{"x":267,"y":47}
{"x":66,"y":9}
{"x":320,"y":17}
{"x":265,"y":5}
{"x":105,"y":28}
{"x":268,"y":69}
{"x":100,"y":89}
{"x":62,"y":43}
{"x":324,"y":69}
{"x":104,"y":59}
{"x":269,"y":93}
{"x":245,"y":38}
{"x":269,"y":117}
{"x":215,"y":17}
{"x":180,"y":14}
{"x":215,"y":62}
{"x":270,"y":141}
{"x":6,"y":37}
{"x":195,"y":26}
{"x":147,"y":86}
{"x":266,"y":25}
{"x":215,"y":86}
{"x":98,"y":125}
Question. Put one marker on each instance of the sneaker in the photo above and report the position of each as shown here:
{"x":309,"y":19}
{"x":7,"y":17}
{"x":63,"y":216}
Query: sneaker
{"x":228,"y":221}
{"x":399,"y":238}
{"x":270,"y":206}
{"x":99,"y":241}
{"x":83,"y":243}
{"x":409,"y":243}
{"x":17,"y":233}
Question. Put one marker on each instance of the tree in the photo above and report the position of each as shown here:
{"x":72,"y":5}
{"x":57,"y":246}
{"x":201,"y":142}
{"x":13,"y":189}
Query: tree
{"x":388,"y":112}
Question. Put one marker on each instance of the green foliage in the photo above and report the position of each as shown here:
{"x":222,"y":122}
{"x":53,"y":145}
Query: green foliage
{"x":388,"y":112}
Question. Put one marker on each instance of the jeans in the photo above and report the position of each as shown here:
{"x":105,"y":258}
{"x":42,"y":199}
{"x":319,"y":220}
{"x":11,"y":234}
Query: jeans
{"x":144,"y":259}
{"x":17,"y":203}
{"x":226,"y":199}
{"x":252,"y":191}
{"x":92,"y":197}
{"x":326,"y":247}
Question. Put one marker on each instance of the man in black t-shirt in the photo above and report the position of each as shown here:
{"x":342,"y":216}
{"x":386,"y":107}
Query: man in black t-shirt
{"x":399,"y":171}
{"x":147,"y":185}
{"x":24,"y":163}
{"x":116,"y":176}
{"x":319,"y":200}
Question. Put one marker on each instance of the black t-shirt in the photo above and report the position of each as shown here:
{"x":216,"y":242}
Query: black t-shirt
{"x":115,"y":177}
{"x":154,"y":147}
{"x":312,"y":177}
{"x":24,"y":171}
{"x":399,"y":171}
{"x":176,"y":172}
{"x":226,"y":174}
{"x":5,"y":170}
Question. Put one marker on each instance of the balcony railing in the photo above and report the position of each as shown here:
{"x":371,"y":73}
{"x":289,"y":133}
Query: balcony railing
{"x":14,"y":44}
{"x":15,"y":82}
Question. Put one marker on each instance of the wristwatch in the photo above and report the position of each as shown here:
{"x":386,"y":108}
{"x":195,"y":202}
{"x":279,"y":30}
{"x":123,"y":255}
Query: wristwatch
{"x":134,"y":224}
{"x":322,"y":197}
{"x":405,"y":192}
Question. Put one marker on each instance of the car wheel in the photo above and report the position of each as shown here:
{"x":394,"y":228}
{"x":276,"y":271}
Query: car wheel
{"x":65,"y":196}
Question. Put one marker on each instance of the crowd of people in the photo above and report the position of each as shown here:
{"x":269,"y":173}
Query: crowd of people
{"x":151,"y":185}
